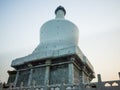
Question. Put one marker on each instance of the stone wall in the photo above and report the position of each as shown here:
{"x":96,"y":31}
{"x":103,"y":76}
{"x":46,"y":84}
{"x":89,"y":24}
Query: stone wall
{"x":76,"y":75}
{"x":38,"y":76}
{"x":23,"y":78}
{"x":59,"y":74}
{"x":51,"y":72}
{"x":11,"y":78}
{"x":100,"y":85}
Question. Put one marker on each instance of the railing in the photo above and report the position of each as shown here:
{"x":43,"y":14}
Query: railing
{"x":107,"y":85}
{"x":47,"y":87}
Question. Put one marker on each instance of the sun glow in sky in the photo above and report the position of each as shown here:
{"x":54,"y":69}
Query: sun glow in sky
{"x":99,"y":31}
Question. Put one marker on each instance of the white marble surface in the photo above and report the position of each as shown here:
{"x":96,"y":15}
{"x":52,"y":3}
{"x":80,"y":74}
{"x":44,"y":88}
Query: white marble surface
{"x":58,"y":37}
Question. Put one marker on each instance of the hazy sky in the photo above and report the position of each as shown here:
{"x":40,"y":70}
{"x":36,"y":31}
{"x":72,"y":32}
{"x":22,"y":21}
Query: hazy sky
{"x":99,"y":31}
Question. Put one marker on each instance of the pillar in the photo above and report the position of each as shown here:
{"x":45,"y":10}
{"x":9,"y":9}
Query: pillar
{"x":30,"y":77}
{"x":71,"y":73}
{"x":83,"y":74}
{"x":119,"y":74}
{"x":47,"y":72}
{"x":83,"y":77}
{"x":99,"y":84}
{"x":16,"y":78}
{"x":99,"y":78}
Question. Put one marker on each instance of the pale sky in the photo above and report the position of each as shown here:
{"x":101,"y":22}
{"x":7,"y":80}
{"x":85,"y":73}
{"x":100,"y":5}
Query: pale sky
{"x":99,"y":31}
